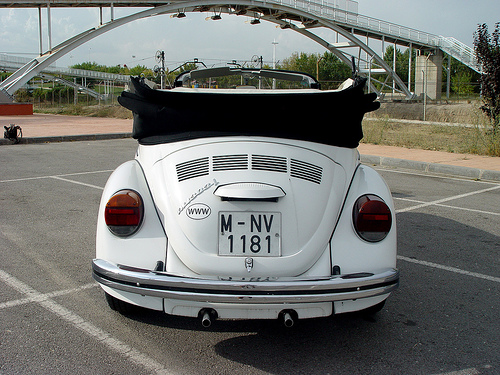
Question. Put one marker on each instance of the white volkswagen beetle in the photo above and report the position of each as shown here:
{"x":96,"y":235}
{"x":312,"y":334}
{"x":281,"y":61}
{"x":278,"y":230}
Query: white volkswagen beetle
{"x":247,"y":204}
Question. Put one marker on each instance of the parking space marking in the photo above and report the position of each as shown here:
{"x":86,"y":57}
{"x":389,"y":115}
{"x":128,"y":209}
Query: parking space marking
{"x":439,"y":201}
{"x":431,"y":175}
{"x":77,"y":182}
{"x":56,"y":176}
{"x":448,"y":206}
{"x":468,"y":371}
{"x":78,"y":322}
{"x":450,"y":269}
{"x":58,"y":293}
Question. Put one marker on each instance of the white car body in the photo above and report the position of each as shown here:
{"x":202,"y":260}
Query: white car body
{"x":246,"y":227}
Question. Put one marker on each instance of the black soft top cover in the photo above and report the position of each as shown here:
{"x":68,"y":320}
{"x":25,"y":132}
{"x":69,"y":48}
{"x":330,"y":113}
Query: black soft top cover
{"x":328,"y":117}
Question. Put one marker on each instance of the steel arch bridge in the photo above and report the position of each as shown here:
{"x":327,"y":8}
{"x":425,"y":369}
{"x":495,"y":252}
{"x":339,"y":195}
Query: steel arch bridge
{"x":306,"y":17}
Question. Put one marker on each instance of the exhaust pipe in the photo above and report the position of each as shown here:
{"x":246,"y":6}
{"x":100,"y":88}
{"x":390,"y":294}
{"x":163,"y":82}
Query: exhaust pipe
{"x":288,"y":318}
{"x":207,"y":316}
{"x":206,"y":321}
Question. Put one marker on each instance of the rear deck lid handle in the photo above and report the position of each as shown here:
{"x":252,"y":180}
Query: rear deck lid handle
{"x":249,"y":191}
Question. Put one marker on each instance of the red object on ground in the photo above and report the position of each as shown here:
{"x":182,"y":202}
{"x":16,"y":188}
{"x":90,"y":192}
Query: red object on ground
{"x":16,"y":109}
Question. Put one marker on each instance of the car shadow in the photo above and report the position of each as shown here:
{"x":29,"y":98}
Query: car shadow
{"x":272,"y":326}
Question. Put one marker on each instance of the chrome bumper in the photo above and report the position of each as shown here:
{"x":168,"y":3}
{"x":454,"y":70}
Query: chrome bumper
{"x":156,"y":284}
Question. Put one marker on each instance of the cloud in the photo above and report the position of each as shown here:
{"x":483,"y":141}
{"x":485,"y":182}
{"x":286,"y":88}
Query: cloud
{"x":7,"y":17}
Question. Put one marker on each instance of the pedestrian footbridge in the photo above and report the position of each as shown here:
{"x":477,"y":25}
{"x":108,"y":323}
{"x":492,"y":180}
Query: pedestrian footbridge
{"x":354,"y":36}
{"x":54,"y":73}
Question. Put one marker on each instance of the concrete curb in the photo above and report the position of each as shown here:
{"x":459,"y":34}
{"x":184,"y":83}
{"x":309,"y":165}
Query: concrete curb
{"x":68,"y":138}
{"x":427,"y":167}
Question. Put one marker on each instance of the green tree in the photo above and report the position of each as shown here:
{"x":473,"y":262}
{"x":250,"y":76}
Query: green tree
{"x":87,"y":66}
{"x":333,"y":70}
{"x":328,"y":68}
{"x":116,"y":69}
{"x":138,"y":70}
{"x":301,"y":62}
{"x":487,"y":48}
{"x":461,"y":83}
{"x":402,"y":61}
{"x":464,"y":81}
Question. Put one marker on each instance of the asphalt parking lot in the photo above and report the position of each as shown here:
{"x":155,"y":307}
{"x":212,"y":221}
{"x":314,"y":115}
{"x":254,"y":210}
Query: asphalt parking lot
{"x":444,"y":319}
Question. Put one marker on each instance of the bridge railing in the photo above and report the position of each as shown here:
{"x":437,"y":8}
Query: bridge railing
{"x":344,"y":12}
{"x":347,"y":15}
{"x":96,"y":75}
{"x":460,"y":51}
{"x":16,"y":62}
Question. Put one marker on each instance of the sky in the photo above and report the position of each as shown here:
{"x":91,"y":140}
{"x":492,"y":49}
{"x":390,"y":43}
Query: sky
{"x":219,"y":42}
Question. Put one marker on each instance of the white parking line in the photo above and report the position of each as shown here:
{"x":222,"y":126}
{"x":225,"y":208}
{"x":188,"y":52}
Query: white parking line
{"x":468,"y":371}
{"x":448,"y":206}
{"x":77,"y":182}
{"x":55,"y":176}
{"x":78,"y":322}
{"x":439,"y":201}
{"x":450,"y":269}
{"x":59,"y":293}
{"x":430,"y":175}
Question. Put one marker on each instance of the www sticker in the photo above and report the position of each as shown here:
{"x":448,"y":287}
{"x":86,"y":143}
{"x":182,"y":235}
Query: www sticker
{"x":198,"y":211}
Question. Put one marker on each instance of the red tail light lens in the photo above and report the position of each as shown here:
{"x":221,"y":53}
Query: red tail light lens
{"x":124,"y":212}
{"x":372,"y":218}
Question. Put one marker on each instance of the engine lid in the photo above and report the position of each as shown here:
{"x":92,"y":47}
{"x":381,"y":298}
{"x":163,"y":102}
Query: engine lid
{"x":247,"y":208}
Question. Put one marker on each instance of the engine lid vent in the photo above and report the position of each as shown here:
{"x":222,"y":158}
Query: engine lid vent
{"x":229,"y":162}
{"x":269,"y":163}
{"x":192,"y":168}
{"x":305,"y":171}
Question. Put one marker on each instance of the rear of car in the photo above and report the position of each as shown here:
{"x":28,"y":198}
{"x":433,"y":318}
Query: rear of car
{"x":247,"y":204}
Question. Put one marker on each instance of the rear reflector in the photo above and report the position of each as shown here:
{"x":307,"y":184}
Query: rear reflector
{"x":124,"y":212}
{"x":372,"y":218}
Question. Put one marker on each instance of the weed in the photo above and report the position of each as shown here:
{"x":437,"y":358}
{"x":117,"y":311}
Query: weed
{"x":456,"y":139}
{"x":113,"y":111}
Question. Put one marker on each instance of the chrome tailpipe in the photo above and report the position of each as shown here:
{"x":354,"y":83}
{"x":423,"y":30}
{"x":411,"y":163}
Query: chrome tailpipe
{"x":288,"y":318}
{"x":207,"y":316}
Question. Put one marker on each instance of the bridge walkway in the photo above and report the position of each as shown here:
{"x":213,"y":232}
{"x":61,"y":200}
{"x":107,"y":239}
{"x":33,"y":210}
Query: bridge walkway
{"x":338,"y":15}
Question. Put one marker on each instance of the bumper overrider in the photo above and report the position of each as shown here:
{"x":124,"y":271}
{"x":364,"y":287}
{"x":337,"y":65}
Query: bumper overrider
{"x":160,"y":284}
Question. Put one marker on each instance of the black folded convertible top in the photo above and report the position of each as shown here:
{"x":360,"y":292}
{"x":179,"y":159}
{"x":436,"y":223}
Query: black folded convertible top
{"x":328,"y":117}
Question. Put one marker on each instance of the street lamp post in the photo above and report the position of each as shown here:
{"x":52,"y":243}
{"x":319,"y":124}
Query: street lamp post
{"x":274,"y":61}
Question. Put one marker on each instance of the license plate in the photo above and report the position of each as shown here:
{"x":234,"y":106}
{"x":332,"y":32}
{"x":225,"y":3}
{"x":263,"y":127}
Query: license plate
{"x":250,"y":234}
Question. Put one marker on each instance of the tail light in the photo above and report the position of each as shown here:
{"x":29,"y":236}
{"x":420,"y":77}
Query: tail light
{"x":124,"y":212}
{"x":372,"y":218}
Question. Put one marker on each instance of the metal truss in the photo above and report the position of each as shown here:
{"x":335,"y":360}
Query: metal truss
{"x":302,"y":16}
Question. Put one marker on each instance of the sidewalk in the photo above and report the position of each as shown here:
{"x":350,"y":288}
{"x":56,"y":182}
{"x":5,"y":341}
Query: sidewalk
{"x":41,"y":128}
{"x":461,"y":165}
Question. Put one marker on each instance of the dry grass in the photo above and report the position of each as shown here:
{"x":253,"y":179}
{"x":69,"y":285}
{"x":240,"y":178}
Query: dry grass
{"x":476,"y":137}
{"x":462,"y":112}
{"x":467,"y":140}
{"x":113,"y":111}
